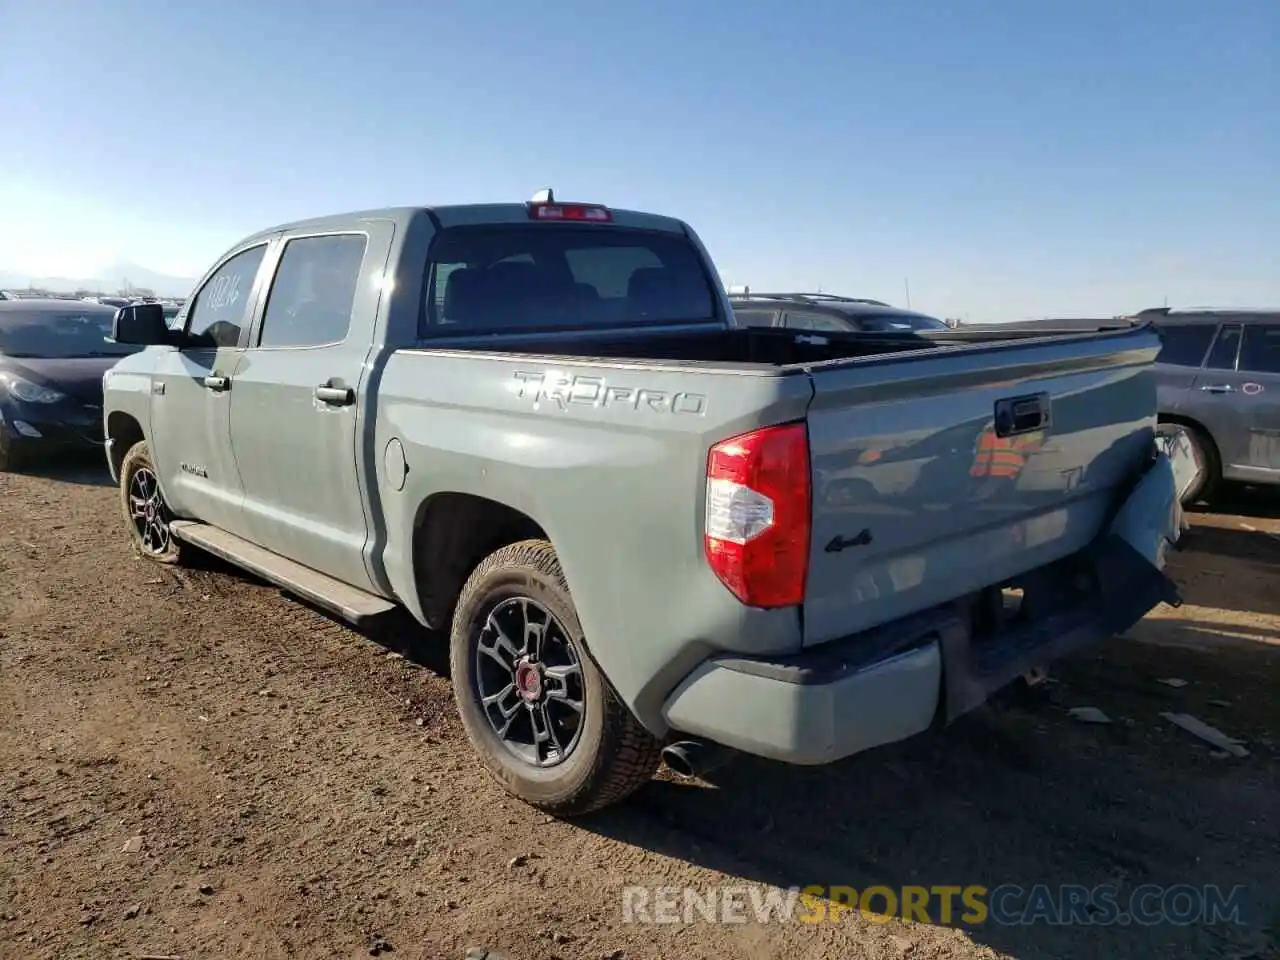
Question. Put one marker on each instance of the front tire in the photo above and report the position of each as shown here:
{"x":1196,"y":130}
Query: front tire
{"x":146,"y":514}
{"x":537,"y":710}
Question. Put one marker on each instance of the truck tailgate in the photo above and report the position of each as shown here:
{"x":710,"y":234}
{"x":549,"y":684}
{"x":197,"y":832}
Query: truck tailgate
{"x":940,"y":472}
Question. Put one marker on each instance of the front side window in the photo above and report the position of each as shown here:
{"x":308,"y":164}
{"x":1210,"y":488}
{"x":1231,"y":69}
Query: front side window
{"x":1225,"y":348}
{"x":1184,"y":345}
{"x":556,"y":276}
{"x":218,"y":313}
{"x":313,"y":291}
{"x":1260,"y":349}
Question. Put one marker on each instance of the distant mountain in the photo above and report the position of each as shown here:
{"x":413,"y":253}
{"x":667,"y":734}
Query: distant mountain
{"x":118,"y":276}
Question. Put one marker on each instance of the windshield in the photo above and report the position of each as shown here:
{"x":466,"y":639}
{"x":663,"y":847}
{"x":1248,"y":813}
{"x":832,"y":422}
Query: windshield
{"x":892,"y":322}
{"x":58,"y":335}
{"x":545,"y":276}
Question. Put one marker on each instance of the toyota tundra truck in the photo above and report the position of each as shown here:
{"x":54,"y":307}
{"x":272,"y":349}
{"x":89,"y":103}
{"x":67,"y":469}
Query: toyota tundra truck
{"x":537,"y":428}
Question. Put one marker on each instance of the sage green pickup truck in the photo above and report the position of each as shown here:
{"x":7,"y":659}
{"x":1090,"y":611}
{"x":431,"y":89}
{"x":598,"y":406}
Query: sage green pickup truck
{"x":646,"y":530}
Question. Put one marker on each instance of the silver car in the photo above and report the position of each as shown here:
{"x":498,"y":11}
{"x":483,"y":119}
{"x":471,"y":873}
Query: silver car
{"x":1218,"y":378}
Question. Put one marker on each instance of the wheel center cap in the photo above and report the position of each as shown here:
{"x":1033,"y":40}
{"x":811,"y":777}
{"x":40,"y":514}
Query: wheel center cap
{"x":151,"y":511}
{"x":528,"y":680}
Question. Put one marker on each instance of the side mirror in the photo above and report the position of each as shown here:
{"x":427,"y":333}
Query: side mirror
{"x":142,"y":324}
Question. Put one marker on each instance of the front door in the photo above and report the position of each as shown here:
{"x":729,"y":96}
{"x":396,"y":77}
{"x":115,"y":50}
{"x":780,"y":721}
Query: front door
{"x":190,"y":399}
{"x":296,"y":406}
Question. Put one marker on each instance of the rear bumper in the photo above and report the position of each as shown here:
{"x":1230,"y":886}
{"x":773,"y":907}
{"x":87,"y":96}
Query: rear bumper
{"x":892,"y":682}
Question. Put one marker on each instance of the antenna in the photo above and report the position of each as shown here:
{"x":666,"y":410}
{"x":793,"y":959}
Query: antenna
{"x":906,"y":285}
{"x":545,"y":195}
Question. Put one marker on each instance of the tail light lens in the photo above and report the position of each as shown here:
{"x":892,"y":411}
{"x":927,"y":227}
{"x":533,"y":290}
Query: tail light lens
{"x":757,"y":526}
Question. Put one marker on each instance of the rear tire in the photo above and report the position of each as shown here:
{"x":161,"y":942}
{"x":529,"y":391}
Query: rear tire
{"x":510,"y":682}
{"x":1205,"y":453}
{"x":146,"y":515}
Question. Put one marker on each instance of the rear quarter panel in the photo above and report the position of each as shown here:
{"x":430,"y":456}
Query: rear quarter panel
{"x":615,"y":479}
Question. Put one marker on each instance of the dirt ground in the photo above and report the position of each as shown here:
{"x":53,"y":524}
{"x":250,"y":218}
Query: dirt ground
{"x":194,"y":766}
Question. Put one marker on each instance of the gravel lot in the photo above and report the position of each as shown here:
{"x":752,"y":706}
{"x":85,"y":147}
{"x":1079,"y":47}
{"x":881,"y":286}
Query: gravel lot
{"x":192,"y":765}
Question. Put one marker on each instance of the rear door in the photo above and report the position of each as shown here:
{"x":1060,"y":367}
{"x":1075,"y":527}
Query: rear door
{"x":1064,"y":423}
{"x":296,"y":405}
{"x":1258,"y":399}
{"x":1213,"y":400}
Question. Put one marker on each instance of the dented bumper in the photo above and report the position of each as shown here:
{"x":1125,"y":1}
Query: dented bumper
{"x":892,"y":682}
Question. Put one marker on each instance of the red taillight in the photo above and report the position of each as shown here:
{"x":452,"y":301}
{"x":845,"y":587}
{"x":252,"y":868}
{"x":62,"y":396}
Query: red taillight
{"x":757,"y":525}
{"x":577,"y":212}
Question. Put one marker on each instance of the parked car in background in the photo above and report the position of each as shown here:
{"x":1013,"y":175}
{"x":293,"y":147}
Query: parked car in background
{"x":538,"y":428}
{"x":827,"y":313}
{"x":53,"y":354}
{"x":1218,"y":383}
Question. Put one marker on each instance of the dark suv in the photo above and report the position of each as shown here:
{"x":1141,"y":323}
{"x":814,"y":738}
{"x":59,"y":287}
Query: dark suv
{"x":824,"y":312}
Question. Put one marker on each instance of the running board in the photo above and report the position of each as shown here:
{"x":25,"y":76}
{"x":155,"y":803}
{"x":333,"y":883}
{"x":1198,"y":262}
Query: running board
{"x":352,"y":604}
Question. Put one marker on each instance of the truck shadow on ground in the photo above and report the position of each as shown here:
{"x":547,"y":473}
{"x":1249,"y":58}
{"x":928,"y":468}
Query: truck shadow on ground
{"x":79,"y":469}
{"x":1018,"y":793}
{"x":1260,"y":503}
{"x":1227,"y":568}
{"x":396,"y":632}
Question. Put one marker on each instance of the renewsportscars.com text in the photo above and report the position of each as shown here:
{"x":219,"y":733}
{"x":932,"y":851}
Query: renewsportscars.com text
{"x":947,"y":905}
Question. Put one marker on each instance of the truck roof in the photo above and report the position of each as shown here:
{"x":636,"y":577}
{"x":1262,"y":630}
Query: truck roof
{"x":458,"y":215}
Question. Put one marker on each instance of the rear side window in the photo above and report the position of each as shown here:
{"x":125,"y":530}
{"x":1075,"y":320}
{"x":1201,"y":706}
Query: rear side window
{"x":1260,"y":350}
{"x":754,"y":316}
{"x":219,"y":309}
{"x":898,"y":322}
{"x":1225,"y":348}
{"x":806,"y":320}
{"x":553,"y":276}
{"x":1184,"y":346}
{"x":313,"y":291}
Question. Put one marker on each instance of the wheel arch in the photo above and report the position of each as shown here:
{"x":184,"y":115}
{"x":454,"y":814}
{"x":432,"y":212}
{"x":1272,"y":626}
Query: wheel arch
{"x":1213,"y":468}
{"x":1194,"y":424}
{"x":123,"y":431}
{"x":452,"y":533}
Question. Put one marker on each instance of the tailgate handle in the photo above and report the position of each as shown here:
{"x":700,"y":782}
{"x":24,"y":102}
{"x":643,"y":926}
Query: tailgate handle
{"x":1015,"y":415}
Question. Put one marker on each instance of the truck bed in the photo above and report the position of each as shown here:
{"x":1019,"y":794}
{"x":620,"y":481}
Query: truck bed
{"x":749,"y":347}
{"x":902,"y":516}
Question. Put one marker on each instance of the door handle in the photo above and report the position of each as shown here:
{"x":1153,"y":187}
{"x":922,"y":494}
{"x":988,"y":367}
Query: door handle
{"x":217,"y":384}
{"x":1218,"y":388}
{"x":336,"y":396}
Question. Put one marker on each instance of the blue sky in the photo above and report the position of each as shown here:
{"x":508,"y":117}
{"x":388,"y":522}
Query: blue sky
{"x":1010,"y":158}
